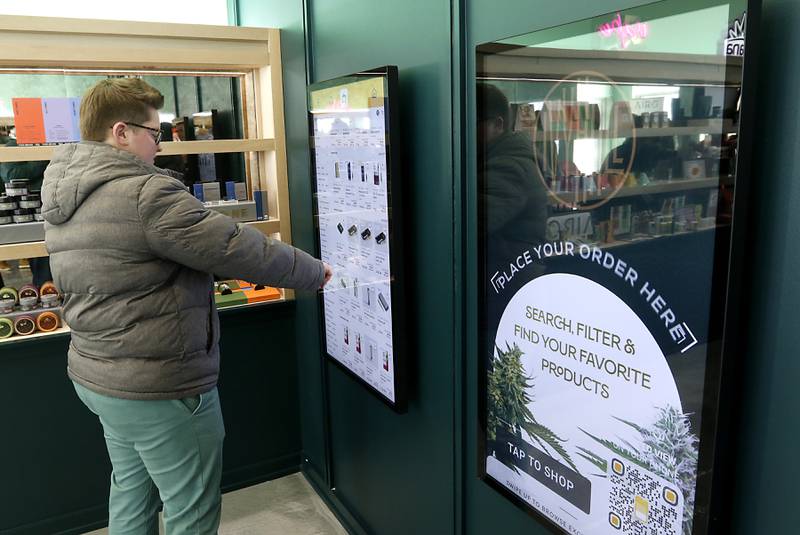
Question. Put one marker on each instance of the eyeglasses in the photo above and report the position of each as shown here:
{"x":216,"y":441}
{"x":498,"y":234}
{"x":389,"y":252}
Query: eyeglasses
{"x":156,"y":131}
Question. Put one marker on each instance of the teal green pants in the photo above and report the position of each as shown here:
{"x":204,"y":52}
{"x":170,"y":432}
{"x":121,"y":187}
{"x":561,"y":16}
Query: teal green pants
{"x":167,"y":449}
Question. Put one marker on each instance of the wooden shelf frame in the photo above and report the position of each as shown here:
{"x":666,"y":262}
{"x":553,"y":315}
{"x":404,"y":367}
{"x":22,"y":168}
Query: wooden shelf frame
{"x":77,"y":46}
{"x":168,"y":148}
{"x":713,"y":126}
{"x":655,"y":187}
{"x":36,"y":249}
{"x":515,"y":62}
{"x":16,"y":339}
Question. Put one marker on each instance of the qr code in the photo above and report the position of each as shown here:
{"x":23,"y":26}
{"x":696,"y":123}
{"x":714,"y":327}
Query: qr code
{"x":641,"y":502}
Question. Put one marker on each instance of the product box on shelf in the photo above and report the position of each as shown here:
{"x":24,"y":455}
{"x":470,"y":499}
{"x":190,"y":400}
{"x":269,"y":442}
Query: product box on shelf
{"x":22,"y":232}
{"x":61,"y":119}
{"x":262,"y":210}
{"x":29,"y":120}
{"x":238,"y":210}
{"x":257,"y":293}
{"x":207,"y":191}
{"x":237,"y":292}
{"x":235,"y":191}
{"x":46,"y":120}
{"x":694,"y":168}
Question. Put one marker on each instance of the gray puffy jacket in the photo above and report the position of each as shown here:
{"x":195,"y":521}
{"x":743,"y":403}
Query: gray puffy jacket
{"x":133,"y":253}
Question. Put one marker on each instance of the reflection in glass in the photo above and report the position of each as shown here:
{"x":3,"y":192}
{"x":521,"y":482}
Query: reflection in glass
{"x":606,"y":160}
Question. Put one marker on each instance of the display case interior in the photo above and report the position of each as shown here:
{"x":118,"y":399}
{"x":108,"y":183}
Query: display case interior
{"x":221,"y":123}
{"x":30,"y":304}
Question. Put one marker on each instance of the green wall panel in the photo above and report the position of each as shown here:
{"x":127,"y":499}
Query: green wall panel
{"x":376,"y":456}
{"x":41,"y":85}
{"x":288,"y":17}
{"x":166,"y":88}
{"x":396,"y":471}
{"x":768,"y":468}
{"x":187,"y":103}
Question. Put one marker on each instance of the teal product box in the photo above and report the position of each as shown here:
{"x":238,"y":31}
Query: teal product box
{"x":262,"y":210}
{"x":198,"y":192}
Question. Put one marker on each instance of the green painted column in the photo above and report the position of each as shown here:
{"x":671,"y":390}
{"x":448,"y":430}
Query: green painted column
{"x":287,"y":15}
{"x":768,"y":468}
{"x":395,"y":473}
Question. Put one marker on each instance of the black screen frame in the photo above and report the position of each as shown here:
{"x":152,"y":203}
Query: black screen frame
{"x":723,"y":377}
{"x":396,"y":224}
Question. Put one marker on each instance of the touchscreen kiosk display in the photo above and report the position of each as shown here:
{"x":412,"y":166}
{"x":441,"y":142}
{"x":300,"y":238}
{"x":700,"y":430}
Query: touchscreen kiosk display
{"x":352,"y":165}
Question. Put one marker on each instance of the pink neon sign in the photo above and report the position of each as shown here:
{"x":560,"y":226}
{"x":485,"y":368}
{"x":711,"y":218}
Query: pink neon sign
{"x":626,"y":33}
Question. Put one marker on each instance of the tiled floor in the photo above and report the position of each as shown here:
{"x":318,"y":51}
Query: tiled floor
{"x":285,"y":506}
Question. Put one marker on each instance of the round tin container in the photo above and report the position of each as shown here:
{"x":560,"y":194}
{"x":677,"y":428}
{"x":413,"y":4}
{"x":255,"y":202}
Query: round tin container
{"x":47,"y":322}
{"x":17,"y":188}
{"x":28,"y":297}
{"x":6,"y":328}
{"x":23,"y":215}
{"x":8,"y":298}
{"x":30,"y":201}
{"x":48,"y":294}
{"x":8,"y":203}
{"x":24,"y":325}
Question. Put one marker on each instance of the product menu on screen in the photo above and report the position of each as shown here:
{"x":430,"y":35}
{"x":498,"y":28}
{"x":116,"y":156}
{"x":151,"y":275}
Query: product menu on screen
{"x":352,"y":194}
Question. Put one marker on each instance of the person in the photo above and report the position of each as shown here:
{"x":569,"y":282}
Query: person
{"x":133,"y":253}
{"x":174,"y":164}
{"x":33,"y":171}
{"x":5,"y":134}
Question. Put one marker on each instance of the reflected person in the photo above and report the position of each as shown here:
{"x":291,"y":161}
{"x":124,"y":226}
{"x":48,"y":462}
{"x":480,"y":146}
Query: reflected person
{"x":512,"y":195}
{"x":512,"y":190}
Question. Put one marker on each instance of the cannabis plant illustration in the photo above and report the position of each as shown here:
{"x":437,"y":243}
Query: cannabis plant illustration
{"x":670,"y":450}
{"x":508,"y":399}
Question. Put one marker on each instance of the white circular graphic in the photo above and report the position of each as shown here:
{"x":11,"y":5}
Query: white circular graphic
{"x":597,"y":379}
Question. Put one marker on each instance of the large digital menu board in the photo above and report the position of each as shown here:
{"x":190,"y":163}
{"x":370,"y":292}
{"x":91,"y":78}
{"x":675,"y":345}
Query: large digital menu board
{"x":352,"y":123}
{"x":609,"y":155}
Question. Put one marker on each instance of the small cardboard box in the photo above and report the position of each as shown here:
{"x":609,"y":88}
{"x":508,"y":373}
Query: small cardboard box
{"x":264,"y":294}
{"x":238,"y":297}
{"x":238,"y":210}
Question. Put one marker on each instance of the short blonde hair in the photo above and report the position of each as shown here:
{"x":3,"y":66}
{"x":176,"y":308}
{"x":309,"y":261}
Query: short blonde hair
{"x":113,"y":100}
